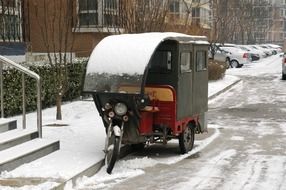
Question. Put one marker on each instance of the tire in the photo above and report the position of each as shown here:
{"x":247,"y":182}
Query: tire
{"x":283,"y":76}
{"x":187,"y":139}
{"x":112,"y":153}
{"x":234,"y":64}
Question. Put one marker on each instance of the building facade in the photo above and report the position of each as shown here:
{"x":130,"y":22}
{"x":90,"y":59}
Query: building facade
{"x":78,"y":25}
{"x":277,"y":31}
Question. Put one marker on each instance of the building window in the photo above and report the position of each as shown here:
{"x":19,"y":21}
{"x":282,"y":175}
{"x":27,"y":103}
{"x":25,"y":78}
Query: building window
{"x":110,"y":13}
{"x":185,"y":62}
{"x":97,"y":13}
{"x":201,"y":61}
{"x":10,"y":21}
{"x":88,"y":12}
{"x":175,"y":7}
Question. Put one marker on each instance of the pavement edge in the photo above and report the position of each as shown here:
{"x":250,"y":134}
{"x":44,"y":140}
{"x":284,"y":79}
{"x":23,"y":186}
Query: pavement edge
{"x":225,"y":89}
{"x":92,"y":170}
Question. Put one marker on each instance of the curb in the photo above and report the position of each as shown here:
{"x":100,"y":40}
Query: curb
{"x":124,"y":151}
{"x":92,"y":170}
{"x":224,"y":90}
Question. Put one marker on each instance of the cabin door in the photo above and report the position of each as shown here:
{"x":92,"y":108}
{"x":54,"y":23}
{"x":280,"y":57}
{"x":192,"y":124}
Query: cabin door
{"x":200,"y":79}
{"x":185,"y":86}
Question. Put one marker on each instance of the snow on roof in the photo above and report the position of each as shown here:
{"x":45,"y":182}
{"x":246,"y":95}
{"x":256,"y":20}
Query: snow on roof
{"x":130,"y":53}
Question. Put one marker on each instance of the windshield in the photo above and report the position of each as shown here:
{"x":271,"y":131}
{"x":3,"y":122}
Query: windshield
{"x":114,"y":83}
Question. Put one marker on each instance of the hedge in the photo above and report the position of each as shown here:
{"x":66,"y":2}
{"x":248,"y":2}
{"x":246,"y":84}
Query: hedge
{"x":12,"y":87}
{"x":216,"y":69}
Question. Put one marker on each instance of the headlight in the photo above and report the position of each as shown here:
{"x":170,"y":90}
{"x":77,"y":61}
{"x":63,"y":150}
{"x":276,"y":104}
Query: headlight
{"x":107,"y":106}
{"x":120,"y":109}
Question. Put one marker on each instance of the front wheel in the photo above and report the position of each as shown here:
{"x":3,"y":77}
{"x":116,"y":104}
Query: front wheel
{"x":112,"y":153}
{"x":187,"y":138}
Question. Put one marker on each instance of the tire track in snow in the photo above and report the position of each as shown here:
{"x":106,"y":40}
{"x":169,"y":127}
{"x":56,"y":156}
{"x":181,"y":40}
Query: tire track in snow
{"x":258,"y":172}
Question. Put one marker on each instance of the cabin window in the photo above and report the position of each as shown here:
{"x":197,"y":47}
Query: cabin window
{"x":161,"y":61}
{"x":185,"y":62}
{"x":201,"y":61}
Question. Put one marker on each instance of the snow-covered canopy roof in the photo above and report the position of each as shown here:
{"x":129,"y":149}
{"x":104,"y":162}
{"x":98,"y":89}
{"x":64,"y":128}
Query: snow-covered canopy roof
{"x":122,"y":59}
{"x":130,"y":53}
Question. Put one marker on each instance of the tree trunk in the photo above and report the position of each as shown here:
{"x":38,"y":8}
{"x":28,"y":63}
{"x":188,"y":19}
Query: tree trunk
{"x":59,"y":106}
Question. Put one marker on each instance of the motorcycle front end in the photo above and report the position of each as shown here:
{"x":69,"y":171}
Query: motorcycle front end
{"x":117,"y":116}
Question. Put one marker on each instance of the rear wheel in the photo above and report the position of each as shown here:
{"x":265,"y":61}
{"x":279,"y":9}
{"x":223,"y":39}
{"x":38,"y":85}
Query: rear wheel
{"x":234,"y":64}
{"x":112,"y":153}
{"x":187,"y":138}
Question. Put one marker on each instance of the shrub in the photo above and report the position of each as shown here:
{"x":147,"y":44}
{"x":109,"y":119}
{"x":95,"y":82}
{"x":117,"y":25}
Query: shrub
{"x":216,"y":69}
{"x":12,"y":87}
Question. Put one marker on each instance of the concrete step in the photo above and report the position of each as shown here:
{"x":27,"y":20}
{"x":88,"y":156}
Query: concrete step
{"x":7,"y":124}
{"x":15,"y":137}
{"x":26,"y":152}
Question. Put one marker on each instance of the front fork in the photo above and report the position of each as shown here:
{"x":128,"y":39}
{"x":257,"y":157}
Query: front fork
{"x":116,"y":131}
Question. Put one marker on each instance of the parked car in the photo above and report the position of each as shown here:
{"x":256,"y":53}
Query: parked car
{"x":284,"y":67}
{"x":254,"y":54}
{"x":272,"y":50}
{"x":266,"y":51}
{"x":237,"y":57}
{"x":276,"y":47}
{"x":222,"y":56}
{"x":261,"y":53}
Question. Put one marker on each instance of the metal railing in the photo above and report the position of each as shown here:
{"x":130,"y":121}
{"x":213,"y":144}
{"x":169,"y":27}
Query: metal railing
{"x":32,"y":74}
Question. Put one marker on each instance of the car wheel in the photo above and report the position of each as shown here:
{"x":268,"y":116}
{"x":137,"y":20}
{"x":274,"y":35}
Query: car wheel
{"x":234,"y":64}
{"x":283,"y":76}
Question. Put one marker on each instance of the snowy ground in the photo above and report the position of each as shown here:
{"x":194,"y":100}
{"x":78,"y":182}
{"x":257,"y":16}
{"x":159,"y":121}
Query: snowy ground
{"x":82,"y":142}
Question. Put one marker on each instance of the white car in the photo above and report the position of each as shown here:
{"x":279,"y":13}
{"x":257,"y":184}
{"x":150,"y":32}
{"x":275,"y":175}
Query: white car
{"x":275,"y":47}
{"x":237,"y":57}
{"x":284,"y":67}
{"x":221,"y":55}
{"x":261,"y":53}
{"x":266,"y":51}
{"x":254,"y":54}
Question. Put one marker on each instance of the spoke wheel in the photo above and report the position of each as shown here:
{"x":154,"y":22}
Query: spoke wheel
{"x":186,"y":139}
{"x":112,"y":153}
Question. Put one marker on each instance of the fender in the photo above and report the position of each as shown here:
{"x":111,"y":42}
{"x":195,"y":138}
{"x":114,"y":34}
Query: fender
{"x":117,"y":131}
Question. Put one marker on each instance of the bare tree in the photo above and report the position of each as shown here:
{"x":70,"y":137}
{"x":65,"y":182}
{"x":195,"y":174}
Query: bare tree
{"x":56,"y":20}
{"x":240,"y":21}
{"x":143,"y":16}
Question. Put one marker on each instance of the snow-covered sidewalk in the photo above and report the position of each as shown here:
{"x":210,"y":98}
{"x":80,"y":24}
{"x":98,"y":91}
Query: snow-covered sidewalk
{"x":81,"y":139}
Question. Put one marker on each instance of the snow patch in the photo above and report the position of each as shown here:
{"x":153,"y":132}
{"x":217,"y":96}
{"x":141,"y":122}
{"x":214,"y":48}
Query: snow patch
{"x":211,"y":173}
{"x":237,"y":138}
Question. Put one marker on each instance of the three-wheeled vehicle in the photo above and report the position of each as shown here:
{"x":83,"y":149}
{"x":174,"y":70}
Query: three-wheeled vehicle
{"x":149,"y":87}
